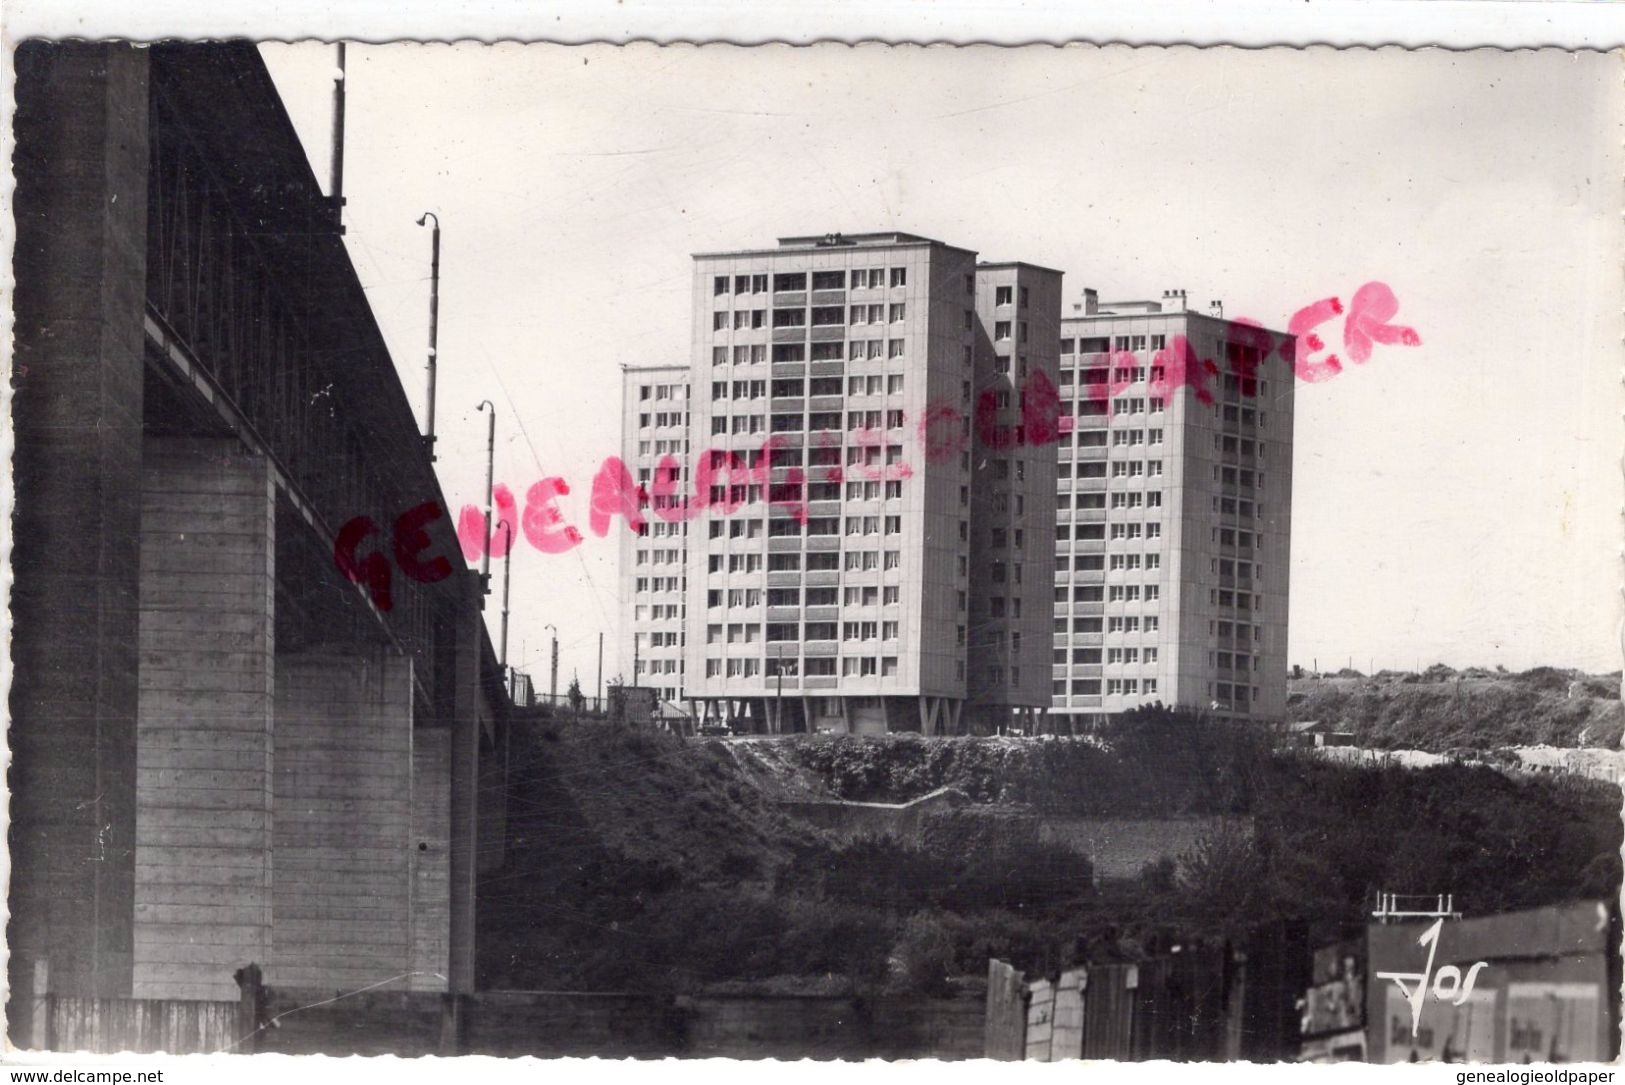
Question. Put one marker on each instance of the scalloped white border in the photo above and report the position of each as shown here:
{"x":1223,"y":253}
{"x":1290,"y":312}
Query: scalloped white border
{"x":1456,"y":24}
{"x":1451,"y":24}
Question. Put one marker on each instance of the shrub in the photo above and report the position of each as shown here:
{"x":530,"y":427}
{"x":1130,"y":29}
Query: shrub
{"x":924,"y":956}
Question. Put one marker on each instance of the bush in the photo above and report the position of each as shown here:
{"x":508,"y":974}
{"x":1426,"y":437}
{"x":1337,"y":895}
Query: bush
{"x":924,"y":956}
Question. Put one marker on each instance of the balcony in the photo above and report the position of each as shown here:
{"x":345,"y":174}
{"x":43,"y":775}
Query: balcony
{"x":1086,"y":670}
{"x":781,"y":544}
{"x":782,"y":614}
{"x":827,"y":333}
{"x":823,"y":543}
{"x":823,"y":578}
{"x":812,"y":648}
{"x":783,"y":579}
{"x":829,"y":297}
{"x":790,"y":299}
{"x":823,"y":614}
{"x":789,"y":369}
{"x":797,"y":334}
{"x":820,"y":681}
{"x":825,"y":403}
{"x":788,"y":404}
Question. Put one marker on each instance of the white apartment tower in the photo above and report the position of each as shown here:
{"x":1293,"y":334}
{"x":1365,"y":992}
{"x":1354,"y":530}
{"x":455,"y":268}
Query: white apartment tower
{"x":654,"y":425}
{"x":1173,"y":514}
{"x":835,"y":575}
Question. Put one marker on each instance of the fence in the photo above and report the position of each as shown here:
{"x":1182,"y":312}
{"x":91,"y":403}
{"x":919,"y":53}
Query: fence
{"x":1201,"y":1002}
{"x":546,"y":1024}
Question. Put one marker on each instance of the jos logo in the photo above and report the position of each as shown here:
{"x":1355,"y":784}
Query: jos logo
{"x":1448,"y":985}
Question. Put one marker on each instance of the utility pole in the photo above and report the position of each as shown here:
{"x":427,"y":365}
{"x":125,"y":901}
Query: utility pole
{"x":434,"y":323}
{"x":600,"y":670}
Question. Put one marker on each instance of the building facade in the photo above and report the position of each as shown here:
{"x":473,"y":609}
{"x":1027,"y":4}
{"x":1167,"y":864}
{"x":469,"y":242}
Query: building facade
{"x":831,"y":572}
{"x":1173,"y":513}
{"x":1012,"y":525}
{"x":654,"y":426}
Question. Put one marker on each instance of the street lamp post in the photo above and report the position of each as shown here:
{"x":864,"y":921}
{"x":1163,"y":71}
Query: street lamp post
{"x":434,"y":324}
{"x":507,"y":576}
{"x":778,"y":670}
{"x":490,"y":467}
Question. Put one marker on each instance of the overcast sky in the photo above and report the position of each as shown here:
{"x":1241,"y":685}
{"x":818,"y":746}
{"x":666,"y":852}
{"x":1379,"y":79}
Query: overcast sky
{"x":1456,"y":502}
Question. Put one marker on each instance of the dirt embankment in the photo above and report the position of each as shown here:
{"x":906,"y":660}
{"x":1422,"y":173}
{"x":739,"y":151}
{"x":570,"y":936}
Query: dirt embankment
{"x":1442,"y":710}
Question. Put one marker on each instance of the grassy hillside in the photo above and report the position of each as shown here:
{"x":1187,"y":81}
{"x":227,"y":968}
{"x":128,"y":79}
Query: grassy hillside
{"x":639,"y":860}
{"x":1443,"y":709}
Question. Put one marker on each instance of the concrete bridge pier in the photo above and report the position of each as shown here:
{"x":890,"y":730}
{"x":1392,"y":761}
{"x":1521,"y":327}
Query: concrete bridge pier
{"x":206,"y":720}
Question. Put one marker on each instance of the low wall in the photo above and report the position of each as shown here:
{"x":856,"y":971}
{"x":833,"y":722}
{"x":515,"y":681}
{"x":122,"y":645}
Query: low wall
{"x":308,"y":1022}
{"x":1121,"y":847}
{"x":144,"y":1025}
{"x":1117,"y":847}
{"x":900,"y":821}
{"x":821,"y":1027}
{"x":571,"y":1024}
{"x":622,"y":1025}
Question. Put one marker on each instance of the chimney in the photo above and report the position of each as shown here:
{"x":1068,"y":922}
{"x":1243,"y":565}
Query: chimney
{"x":1173,"y":301}
{"x":1216,"y":307}
{"x":1090,"y":304}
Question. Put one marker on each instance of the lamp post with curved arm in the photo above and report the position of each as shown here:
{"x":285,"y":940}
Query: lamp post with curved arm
{"x":507,"y":577}
{"x":434,"y":324}
{"x":490,"y":467}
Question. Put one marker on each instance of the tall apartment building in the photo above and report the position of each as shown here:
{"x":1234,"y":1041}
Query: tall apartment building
{"x":654,"y":425}
{"x":1173,"y":515}
{"x":833,"y":578}
{"x":1012,"y":523}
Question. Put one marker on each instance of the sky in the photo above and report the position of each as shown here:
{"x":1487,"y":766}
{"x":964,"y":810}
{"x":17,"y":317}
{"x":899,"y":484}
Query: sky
{"x":1456,"y":502}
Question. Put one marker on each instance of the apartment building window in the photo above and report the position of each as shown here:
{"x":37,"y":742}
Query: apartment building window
{"x":719,"y":285}
{"x":789,"y":281}
{"x":719,"y":322}
{"x":899,"y":276}
{"x":1024,"y":331}
{"x":1003,"y":295}
{"x":829,"y":280}
{"x":1001,"y":329}
{"x":894,"y":348}
{"x":821,"y":631}
{"x":713,"y":668}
